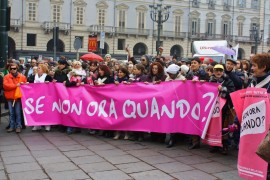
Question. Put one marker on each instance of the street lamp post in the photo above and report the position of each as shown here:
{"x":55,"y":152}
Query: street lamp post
{"x":159,"y":14}
{"x":255,"y":36}
{"x":3,"y":33}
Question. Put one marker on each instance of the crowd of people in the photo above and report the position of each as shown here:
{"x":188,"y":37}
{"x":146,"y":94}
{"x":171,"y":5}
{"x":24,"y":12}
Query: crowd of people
{"x":231,"y":76}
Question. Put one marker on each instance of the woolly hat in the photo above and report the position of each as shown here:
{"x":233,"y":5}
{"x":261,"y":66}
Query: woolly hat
{"x":184,"y":69}
{"x":173,"y":69}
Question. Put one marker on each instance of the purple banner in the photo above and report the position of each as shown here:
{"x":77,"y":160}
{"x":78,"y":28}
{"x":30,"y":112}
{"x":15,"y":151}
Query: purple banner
{"x":169,"y":107}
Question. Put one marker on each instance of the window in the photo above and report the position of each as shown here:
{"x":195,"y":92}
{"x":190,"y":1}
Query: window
{"x":241,"y":3}
{"x":225,"y":28}
{"x":101,"y":17}
{"x":227,"y":2}
{"x":81,"y":37}
{"x":194,"y":27}
{"x":79,"y":13}
{"x":240,"y":28}
{"x":210,"y":28}
{"x":122,"y":19}
{"x":177,"y":24}
{"x":31,"y":39}
{"x":32,"y":11}
{"x":141,"y":19}
{"x":255,"y":4}
{"x":121,"y":44}
{"x":56,"y":13}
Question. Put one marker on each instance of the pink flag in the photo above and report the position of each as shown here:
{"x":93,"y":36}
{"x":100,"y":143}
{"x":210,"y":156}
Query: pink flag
{"x":254,"y":126}
{"x":214,"y":132}
{"x":169,"y":107}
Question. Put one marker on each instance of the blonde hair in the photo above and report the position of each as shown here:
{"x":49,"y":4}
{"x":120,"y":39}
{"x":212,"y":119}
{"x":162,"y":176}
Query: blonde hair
{"x":76,"y":63}
{"x":44,"y":68}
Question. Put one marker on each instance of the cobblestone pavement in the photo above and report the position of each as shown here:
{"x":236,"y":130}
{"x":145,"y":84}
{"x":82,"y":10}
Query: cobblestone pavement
{"x":55,"y":155}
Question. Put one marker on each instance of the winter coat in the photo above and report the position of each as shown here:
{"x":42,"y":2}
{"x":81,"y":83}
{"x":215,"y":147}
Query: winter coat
{"x":254,"y":81}
{"x":226,"y":83}
{"x":61,"y":75}
{"x":10,"y":84}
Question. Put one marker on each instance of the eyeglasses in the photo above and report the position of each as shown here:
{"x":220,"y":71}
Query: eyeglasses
{"x":143,"y":59}
{"x":13,"y":68}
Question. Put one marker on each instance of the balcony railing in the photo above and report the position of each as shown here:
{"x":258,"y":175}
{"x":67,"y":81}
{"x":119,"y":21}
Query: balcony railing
{"x":99,"y":28}
{"x":16,"y":24}
{"x":133,"y":31}
{"x":171,"y":34}
{"x":244,"y":39}
{"x":117,"y":30}
{"x":48,"y":27}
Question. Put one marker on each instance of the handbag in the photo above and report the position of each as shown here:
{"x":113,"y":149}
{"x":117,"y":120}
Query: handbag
{"x":264,"y":148}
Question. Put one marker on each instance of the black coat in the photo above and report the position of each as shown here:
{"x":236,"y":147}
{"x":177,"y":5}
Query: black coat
{"x":227,"y":85}
{"x":61,"y":75}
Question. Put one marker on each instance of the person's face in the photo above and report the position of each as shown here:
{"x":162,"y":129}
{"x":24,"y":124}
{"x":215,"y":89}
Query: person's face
{"x":218,"y":73}
{"x":33,"y":62}
{"x":238,"y":64}
{"x":258,"y":72}
{"x":136,"y":71}
{"x":101,"y":72}
{"x":172,"y":76}
{"x":35,"y":70}
{"x":40,"y":71}
{"x":92,"y":67}
{"x":61,"y":66}
{"x":245,"y":67}
{"x":13,"y":69}
{"x":76,"y":66}
{"x":121,"y":74}
{"x":116,"y":66}
{"x":143,"y":61}
{"x":194,"y":65}
{"x":229,"y":65}
{"x":51,"y":72}
{"x":108,"y":58}
{"x":155,"y":69}
{"x":130,"y":68}
{"x":209,"y":72}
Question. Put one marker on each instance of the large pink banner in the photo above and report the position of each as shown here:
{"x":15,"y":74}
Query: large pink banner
{"x":214,"y":132}
{"x":254,"y":126}
{"x":169,"y":107}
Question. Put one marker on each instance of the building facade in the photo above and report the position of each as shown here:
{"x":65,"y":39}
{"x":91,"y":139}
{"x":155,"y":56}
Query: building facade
{"x":128,"y":23}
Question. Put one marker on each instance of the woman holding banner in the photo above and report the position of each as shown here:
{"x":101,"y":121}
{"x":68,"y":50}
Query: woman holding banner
{"x":12,"y":81}
{"x":155,"y":76}
{"x":41,"y":77}
{"x":261,"y":76}
{"x":196,"y":73}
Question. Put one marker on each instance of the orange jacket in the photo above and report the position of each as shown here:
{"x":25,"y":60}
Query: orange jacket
{"x":10,"y":85}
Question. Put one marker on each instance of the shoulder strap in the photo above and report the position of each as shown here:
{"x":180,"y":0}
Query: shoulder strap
{"x":263,"y":82}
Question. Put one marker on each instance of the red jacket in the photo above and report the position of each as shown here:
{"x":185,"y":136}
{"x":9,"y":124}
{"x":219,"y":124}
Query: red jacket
{"x":10,"y":84}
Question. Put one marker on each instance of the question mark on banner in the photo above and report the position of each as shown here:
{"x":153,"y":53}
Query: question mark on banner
{"x":211,"y":95}
{"x":263,"y":118}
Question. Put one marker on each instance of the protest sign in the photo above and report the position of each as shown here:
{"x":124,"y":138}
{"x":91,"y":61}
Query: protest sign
{"x":214,"y":133}
{"x":254,"y":126}
{"x":169,"y":107}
